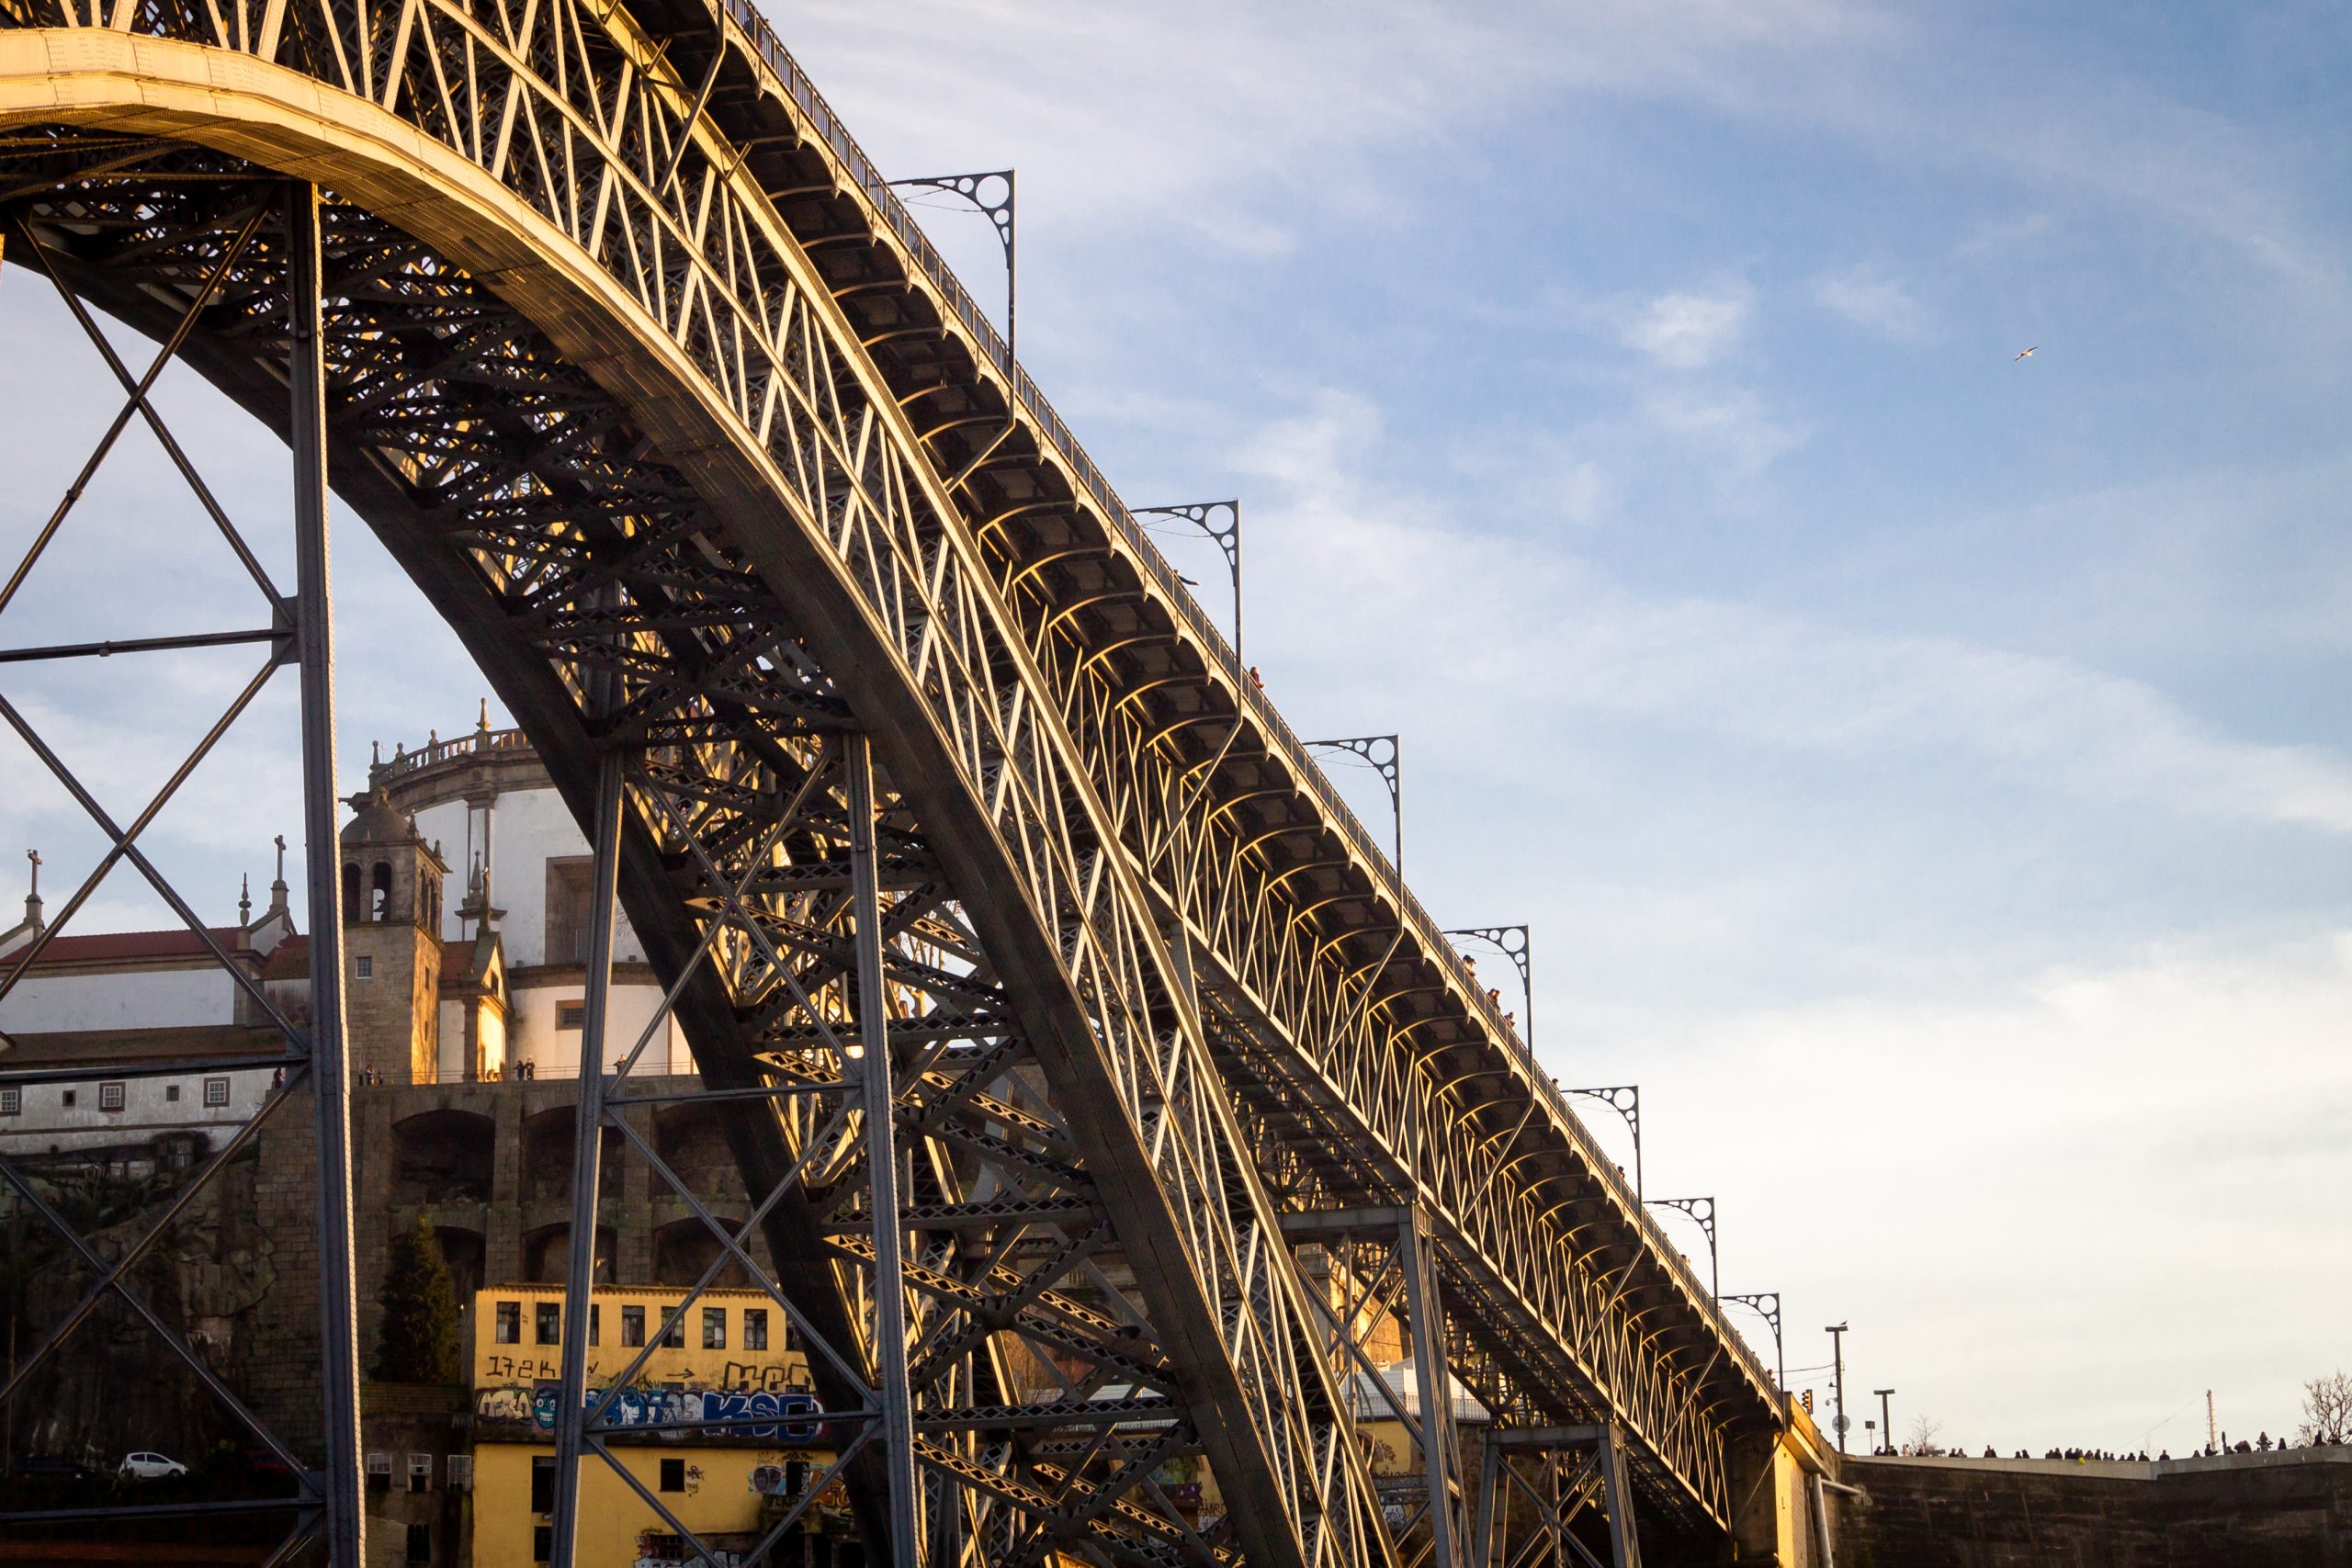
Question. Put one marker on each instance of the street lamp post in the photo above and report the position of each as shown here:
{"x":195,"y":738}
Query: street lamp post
{"x":1221,"y":520}
{"x":1511,"y":943}
{"x":1770,"y":1314}
{"x":1836,"y":1332}
{"x":1625,"y":1099}
{"x":1704,"y":1211}
{"x":1383,"y":754}
{"x":999,"y":211}
{"x":1885,"y":1421}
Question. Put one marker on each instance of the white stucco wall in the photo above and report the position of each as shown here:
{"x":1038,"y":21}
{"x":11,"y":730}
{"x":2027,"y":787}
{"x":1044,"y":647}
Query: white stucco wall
{"x":46,"y":1121}
{"x":527,"y":828}
{"x":146,"y":998}
{"x":450,"y":1066}
{"x":556,"y":1052}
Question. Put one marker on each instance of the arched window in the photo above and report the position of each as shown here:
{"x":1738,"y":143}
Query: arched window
{"x":351,"y":910}
{"x":379,"y":899}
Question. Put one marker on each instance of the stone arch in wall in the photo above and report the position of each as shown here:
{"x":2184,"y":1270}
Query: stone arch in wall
{"x":547,"y":1254}
{"x":443,"y":1156}
{"x":548,"y":1140}
{"x":684,"y":1249}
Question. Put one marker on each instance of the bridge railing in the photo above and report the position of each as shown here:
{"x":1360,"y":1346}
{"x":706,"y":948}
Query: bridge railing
{"x":877,"y":189}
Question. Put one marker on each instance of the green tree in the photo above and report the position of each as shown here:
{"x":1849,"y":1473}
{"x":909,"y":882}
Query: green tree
{"x":419,"y":1343}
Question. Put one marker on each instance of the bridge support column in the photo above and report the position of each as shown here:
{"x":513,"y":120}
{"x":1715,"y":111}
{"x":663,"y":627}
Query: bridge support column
{"x":323,"y":860}
{"x":1616,"y":1496}
{"x":1440,"y":1443}
{"x":1582,"y":1467}
{"x":889,"y":1352}
{"x":1482,"y":1524}
{"x":587,"y":1152}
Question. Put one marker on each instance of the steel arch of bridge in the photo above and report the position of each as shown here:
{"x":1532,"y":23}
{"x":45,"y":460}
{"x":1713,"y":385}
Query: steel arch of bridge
{"x":639,"y":368}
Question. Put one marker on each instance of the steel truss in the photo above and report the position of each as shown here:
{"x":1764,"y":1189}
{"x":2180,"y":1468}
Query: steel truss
{"x":723,"y":428}
{"x":267,"y":227}
{"x":1557,"y":1475}
{"x":1045,"y":1391}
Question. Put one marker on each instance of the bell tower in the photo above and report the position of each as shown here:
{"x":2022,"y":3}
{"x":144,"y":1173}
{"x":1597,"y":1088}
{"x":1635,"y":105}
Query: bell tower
{"x":391,"y":940}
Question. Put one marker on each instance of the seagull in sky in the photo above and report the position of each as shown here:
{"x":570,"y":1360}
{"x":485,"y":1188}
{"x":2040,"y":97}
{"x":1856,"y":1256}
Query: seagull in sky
{"x":2025,"y":353}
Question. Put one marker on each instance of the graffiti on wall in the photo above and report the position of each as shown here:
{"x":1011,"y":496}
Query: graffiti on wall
{"x":678,"y":1413}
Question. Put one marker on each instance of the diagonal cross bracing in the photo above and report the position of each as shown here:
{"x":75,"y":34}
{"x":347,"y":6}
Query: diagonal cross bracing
{"x":1106,"y":778}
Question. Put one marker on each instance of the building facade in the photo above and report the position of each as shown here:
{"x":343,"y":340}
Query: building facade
{"x":729,"y":1358}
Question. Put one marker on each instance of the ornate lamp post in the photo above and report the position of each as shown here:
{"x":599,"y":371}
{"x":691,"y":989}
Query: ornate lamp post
{"x":1380,"y":751}
{"x":1770,"y":1314}
{"x":1625,"y":1099}
{"x":1221,"y":520}
{"x":999,"y":212}
{"x":1704,"y":1211}
{"x":1511,"y":943}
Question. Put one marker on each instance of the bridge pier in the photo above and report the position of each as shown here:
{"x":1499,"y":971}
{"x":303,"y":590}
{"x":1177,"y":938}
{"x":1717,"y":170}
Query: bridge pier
{"x":1782,"y":1512}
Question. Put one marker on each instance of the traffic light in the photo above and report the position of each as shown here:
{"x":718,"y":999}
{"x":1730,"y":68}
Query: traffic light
{"x":1808,"y":1398}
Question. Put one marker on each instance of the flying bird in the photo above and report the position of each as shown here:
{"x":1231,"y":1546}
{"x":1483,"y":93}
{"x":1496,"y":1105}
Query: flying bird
{"x":2025,"y":353}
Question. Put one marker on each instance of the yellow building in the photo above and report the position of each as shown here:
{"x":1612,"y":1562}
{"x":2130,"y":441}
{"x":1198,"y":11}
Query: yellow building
{"x":731,"y":1358}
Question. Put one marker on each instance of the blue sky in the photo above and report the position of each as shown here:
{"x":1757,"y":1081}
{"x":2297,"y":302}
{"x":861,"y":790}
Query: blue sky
{"x":1926,"y":772}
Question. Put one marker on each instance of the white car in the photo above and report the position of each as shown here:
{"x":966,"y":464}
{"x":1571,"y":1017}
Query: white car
{"x":151,"y":1467}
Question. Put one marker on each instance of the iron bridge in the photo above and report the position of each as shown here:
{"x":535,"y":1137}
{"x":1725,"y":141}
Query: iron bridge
{"x":990,"y":892}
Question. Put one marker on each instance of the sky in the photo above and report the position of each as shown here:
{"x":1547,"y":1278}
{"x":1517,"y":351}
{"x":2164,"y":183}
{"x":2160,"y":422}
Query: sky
{"x":1924,"y":771}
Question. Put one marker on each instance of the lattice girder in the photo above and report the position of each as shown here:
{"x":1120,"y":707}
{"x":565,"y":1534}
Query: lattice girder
{"x":739,"y":763}
{"x":794,"y":334}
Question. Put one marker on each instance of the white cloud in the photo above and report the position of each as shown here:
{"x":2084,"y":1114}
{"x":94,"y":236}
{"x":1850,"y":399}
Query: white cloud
{"x":1201,"y":111}
{"x":2094,"y":1191}
{"x":1689,"y":331}
{"x":1576,"y":642}
{"x":1732,"y":428}
{"x":1869,"y":299}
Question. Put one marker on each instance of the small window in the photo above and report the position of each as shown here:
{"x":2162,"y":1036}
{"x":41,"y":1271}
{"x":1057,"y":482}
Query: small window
{"x":68,"y":1099}
{"x":571,"y":1015}
{"x":542,"y":1541}
{"x":571,"y":892}
{"x":551,"y":1323}
{"x":379,"y":1467}
{"x":510,"y":1323}
{"x":663,"y":1548}
{"x":674,"y":1476}
{"x":12,"y":1103}
{"x":673,"y":1329}
{"x":713,"y":1328}
{"x":363,"y":967}
{"x":755,"y":1328}
{"x":461,"y":1473}
{"x":111,"y":1097}
{"x":632,"y":1326}
{"x":595,"y":1324}
{"x":420,"y":1542}
{"x":216,"y":1091}
{"x":420,"y":1473}
{"x":543,"y":1486}
{"x":172,"y":1093}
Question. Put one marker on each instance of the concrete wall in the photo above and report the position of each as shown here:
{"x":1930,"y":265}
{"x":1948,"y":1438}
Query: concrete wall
{"x":2290,"y":1509}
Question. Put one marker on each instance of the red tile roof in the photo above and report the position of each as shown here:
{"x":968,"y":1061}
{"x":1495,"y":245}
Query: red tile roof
{"x":101,"y":947}
{"x":289,"y":960}
{"x":85,"y":1047}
